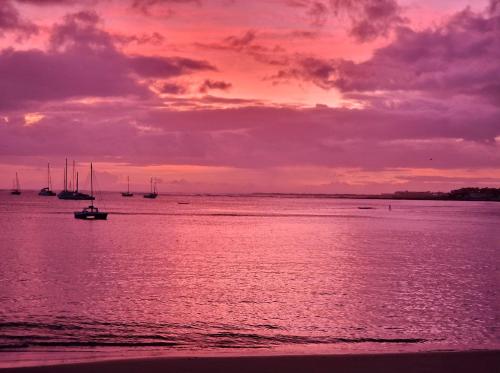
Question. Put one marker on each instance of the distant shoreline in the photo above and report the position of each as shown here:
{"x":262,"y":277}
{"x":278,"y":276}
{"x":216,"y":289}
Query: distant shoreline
{"x":371,"y":196}
{"x":443,"y":361}
{"x":401,"y":196}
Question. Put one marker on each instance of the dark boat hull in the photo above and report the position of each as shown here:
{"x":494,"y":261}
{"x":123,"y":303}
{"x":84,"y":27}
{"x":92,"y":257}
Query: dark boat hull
{"x":46,"y":192}
{"x":75,"y":196}
{"x":151,"y":195}
{"x":125,"y":194}
{"x":91,"y":215}
{"x":15,"y":192}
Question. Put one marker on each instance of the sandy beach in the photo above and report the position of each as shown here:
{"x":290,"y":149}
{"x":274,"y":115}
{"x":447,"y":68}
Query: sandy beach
{"x":442,"y":362}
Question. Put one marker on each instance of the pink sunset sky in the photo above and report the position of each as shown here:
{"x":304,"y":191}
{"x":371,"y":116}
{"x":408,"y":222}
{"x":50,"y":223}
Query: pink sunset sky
{"x":326,"y":96}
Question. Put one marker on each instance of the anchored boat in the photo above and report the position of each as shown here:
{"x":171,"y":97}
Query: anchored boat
{"x":72,"y":194}
{"x":153,"y":193}
{"x":127,"y":193}
{"x":91,"y":212}
{"x":47,"y":191}
{"x":16,"y":189}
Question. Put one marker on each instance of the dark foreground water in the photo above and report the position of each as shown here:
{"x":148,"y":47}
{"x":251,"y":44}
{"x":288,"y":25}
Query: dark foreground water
{"x":247,"y":274}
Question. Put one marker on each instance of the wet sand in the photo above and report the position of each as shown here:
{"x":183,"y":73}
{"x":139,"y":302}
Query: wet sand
{"x":456,"y":362}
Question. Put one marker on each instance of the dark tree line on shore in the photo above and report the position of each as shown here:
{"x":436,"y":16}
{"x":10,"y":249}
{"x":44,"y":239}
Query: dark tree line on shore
{"x":474,"y":194}
{"x":462,"y":194}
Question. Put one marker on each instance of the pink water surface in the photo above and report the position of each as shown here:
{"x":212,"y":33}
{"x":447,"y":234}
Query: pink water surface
{"x":246,"y":274}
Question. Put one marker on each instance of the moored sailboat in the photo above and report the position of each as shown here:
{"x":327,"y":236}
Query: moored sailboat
{"x":91,"y":212}
{"x":153,"y":193}
{"x":72,"y":194}
{"x":127,"y":193}
{"x":47,"y":191}
{"x":16,"y":189}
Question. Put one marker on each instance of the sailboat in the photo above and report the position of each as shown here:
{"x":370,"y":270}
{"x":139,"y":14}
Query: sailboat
{"x":91,"y":212}
{"x":127,"y":193}
{"x":153,"y":193}
{"x":72,"y":194}
{"x":16,"y":190}
{"x":47,"y":191}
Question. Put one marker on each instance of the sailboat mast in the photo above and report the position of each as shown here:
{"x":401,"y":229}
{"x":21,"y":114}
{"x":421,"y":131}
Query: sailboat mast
{"x":91,"y":185}
{"x":73,"y":176}
{"x":17,"y":182}
{"x":66,"y":176}
{"x":128,"y":184}
{"x":77,"y":182}
{"x":49,"y":180}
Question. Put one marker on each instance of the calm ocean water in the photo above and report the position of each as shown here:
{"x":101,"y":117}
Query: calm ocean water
{"x":227,"y":273}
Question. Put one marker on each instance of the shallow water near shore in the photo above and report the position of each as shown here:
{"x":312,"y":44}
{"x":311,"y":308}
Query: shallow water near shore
{"x":245,"y":274}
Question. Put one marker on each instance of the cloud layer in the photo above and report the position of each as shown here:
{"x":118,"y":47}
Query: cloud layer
{"x":82,"y":61}
{"x":244,"y":98}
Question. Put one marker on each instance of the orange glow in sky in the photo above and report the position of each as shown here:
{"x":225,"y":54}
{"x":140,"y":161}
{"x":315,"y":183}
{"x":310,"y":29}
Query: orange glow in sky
{"x":237,"y":96}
